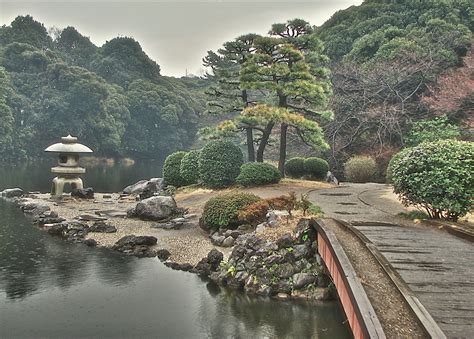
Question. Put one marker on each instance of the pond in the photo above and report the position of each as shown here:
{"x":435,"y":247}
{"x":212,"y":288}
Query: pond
{"x":50,"y":288}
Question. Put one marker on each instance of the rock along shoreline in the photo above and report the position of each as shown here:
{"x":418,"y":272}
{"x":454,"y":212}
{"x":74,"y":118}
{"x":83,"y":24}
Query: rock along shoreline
{"x":287,"y":268}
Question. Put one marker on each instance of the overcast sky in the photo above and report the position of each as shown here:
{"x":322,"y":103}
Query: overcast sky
{"x":176,"y":34}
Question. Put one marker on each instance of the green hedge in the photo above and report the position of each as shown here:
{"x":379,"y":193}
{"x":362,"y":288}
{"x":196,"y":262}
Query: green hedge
{"x":219,"y":163}
{"x":437,"y":177}
{"x":171,"y":169}
{"x":316,"y":167}
{"x":360,"y":169}
{"x":294,"y":167}
{"x":189,"y":168}
{"x":222,"y":210}
{"x":258,"y":173}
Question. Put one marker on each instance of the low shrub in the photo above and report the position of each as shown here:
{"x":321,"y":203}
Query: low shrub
{"x":395,"y":158}
{"x":254,"y":214}
{"x":222,"y":210}
{"x":283,"y":202}
{"x":258,"y":173}
{"x":294,"y":167}
{"x":171,"y":169}
{"x":189,"y":168}
{"x":219,"y":163}
{"x":437,"y":177}
{"x":316,"y":167}
{"x":360,"y":169}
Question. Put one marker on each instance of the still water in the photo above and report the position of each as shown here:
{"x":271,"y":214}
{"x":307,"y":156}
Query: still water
{"x":51,"y":289}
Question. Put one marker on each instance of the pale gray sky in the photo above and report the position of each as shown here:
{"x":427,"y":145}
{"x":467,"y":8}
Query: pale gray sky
{"x":176,"y":34}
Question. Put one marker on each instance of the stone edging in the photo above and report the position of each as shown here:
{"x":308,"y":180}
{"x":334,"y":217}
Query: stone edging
{"x":426,"y":321}
{"x":362,"y":318}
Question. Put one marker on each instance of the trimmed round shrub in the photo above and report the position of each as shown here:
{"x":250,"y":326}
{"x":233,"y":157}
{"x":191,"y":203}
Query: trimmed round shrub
{"x":294,"y":167}
{"x":171,"y":169}
{"x":360,"y":169}
{"x":189,"y":168}
{"x":316,"y":167}
{"x":258,"y":173}
{"x":437,"y":177}
{"x":219,"y":163}
{"x":222,"y":210}
{"x":395,"y":158}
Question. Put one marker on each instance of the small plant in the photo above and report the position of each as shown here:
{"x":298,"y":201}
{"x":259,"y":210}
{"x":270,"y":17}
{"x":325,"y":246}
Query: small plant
{"x":316,"y":168}
{"x":189,"y":168}
{"x":222,"y":211}
{"x":219,"y":164}
{"x":290,"y":249}
{"x":304,"y":203}
{"x":414,"y":215}
{"x":315,"y":210}
{"x":284,"y":202}
{"x":253,"y":214}
{"x":171,"y":169}
{"x":258,"y":173}
{"x":360,"y":169}
{"x":294,"y":168}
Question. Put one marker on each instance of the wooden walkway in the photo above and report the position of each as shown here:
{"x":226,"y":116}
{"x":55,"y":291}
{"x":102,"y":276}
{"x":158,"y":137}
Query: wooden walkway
{"x":437,"y":266}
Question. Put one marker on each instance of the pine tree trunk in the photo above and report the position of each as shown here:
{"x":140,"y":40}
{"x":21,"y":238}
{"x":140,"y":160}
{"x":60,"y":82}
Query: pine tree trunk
{"x":250,"y":146}
{"x":263,"y":142}
{"x":282,"y":160}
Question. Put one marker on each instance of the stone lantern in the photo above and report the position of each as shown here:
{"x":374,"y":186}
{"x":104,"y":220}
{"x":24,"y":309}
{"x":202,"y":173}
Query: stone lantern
{"x":68,"y":171}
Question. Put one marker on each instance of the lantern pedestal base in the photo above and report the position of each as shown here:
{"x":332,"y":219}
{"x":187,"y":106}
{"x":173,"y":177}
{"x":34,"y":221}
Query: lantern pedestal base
{"x":57,"y":187}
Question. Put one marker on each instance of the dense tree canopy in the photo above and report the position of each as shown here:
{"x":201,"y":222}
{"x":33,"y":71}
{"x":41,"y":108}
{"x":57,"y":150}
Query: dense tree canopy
{"x":112,"y":97}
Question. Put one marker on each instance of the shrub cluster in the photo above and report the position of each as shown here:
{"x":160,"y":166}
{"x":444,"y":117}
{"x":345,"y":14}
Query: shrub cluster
{"x":436,"y":176}
{"x":254,"y":214}
{"x":316,"y":167}
{"x":219,"y":164}
{"x":258,"y":173}
{"x":360,"y":169}
{"x":171,"y":169}
{"x":189,"y":168}
{"x":294,"y":167}
{"x":222,"y":210}
{"x":313,"y":168}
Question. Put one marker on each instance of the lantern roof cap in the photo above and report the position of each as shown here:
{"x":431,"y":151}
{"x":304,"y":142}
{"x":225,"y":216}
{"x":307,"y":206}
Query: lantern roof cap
{"x":68,"y":144}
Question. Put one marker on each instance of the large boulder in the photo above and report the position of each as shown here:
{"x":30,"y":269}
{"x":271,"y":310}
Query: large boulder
{"x":136,"y":245}
{"x":10,"y":193}
{"x":154,"y":185}
{"x":156,"y":208}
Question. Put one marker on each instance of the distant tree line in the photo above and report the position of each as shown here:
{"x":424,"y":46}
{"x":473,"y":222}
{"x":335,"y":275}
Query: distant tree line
{"x":113,"y":97}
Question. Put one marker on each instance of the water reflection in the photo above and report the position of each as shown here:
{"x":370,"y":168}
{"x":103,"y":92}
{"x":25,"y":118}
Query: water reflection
{"x":49,"y":288}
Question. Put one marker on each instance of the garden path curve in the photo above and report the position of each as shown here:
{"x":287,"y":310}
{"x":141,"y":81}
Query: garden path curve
{"x":436,"y":265}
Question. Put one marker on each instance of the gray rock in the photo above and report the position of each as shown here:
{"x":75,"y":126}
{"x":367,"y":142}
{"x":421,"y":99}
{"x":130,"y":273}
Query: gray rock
{"x":140,"y":186}
{"x":90,"y":217}
{"x":83,"y":193}
{"x":136,"y":245}
{"x":10,"y":193}
{"x":217,"y":239}
{"x":111,"y":213}
{"x":301,"y":251}
{"x":214,"y":258}
{"x":285,"y":270}
{"x":285,"y":241}
{"x":102,"y":227}
{"x":156,"y":208}
{"x":228,"y":242}
{"x":301,"y":280}
{"x":90,"y":242}
{"x":163,"y":254}
{"x":281,"y":296}
{"x":260,"y":228}
{"x":34,"y":209}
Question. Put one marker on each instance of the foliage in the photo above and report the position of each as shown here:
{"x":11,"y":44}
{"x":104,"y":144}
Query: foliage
{"x":57,"y":85}
{"x":254,"y":213}
{"x":314,"y":209}
{"x":437,"y":177}
{"x":189,"y":169}
{"x":294,"y":167}
{"x":360,"y":169}
{"x":393,"y":161}
{"x":258,"y":173}
{"x":414,"y":215}
{"x":222,"y":211}
{"x":431,"y":130}
{"x":316,"y":167}
{"x":171,"y":169}
{"x":219,"y":164}
{"x":283,"y":202}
